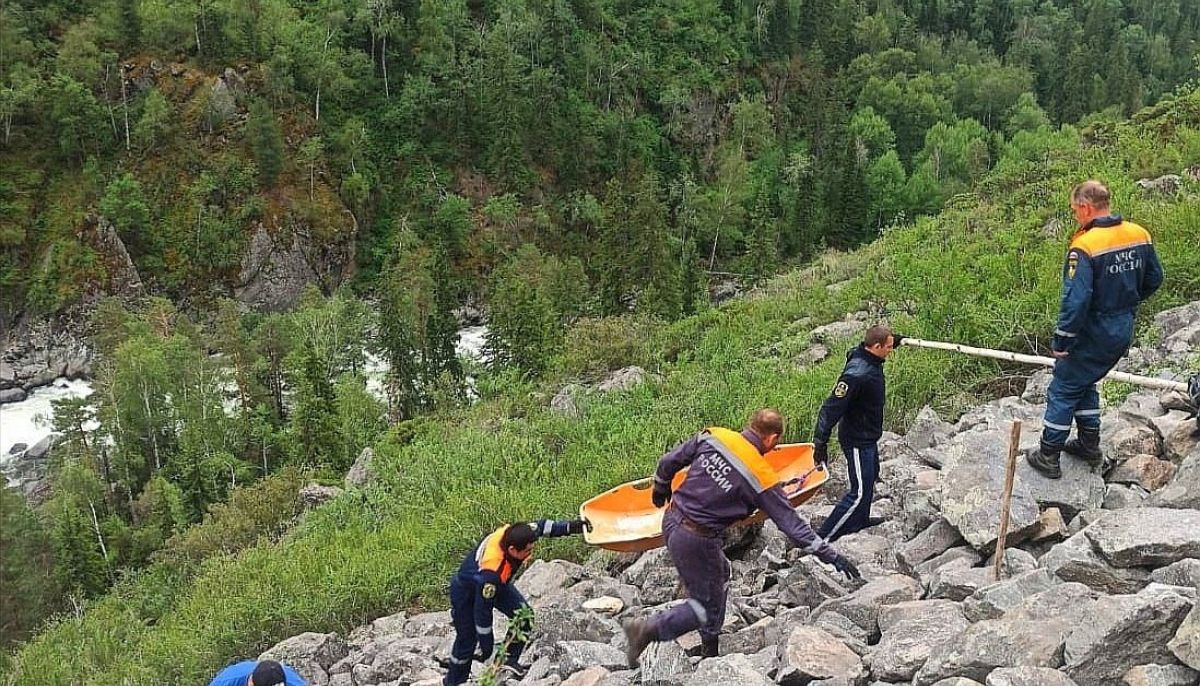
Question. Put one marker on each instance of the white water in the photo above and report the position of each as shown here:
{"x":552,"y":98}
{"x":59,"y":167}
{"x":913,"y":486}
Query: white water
{"x":29,"y":421}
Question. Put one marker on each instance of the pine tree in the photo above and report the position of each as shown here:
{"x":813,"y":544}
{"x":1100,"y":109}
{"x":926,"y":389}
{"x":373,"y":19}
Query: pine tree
{"x":131,"y":26}
{"x":762,"y":244}
{"x":266,"y":142}
{"x":406,"y":299}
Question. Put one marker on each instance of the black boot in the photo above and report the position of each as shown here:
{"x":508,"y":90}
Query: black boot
{"x":1086,"y":447}
{"x":638,"y":634}
{"x":1045,"y":460}
{"x":710,"y":646}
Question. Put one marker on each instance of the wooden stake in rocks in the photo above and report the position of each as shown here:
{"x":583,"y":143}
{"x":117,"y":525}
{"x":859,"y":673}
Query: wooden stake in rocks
{"x":1014,"y":440}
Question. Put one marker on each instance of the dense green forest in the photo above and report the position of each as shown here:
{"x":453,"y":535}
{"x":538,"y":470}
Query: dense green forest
{"x":645,"y":139}
{"x":585,"y":163}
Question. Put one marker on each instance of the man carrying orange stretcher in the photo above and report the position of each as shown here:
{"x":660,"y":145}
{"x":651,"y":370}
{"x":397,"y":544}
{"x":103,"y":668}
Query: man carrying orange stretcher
{"x":727,"y":479}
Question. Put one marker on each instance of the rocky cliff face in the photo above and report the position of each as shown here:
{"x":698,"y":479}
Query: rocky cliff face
{"x":1099,"y":587}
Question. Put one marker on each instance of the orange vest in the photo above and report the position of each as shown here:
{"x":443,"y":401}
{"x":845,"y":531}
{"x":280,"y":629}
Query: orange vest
{"x":745,"y":458}
{"x":1102,"y":240}
{"x":490,"y":556}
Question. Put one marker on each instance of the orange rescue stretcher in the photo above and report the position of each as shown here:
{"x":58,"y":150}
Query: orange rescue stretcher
{"x":624,"y":519}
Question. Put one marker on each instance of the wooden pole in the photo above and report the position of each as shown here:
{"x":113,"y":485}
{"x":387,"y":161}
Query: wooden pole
{"x":1136,"y":379}
{"x":1014,"y":441}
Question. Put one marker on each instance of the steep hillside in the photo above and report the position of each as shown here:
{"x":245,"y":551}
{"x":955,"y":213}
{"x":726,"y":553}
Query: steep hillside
{"x":1096,"y":588}
{"x":984,"y":271}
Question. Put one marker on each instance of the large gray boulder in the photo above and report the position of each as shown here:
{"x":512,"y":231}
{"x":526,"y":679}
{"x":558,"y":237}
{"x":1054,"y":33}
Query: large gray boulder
{"x":310,"y":654}
{"x":1182,"y":573}
{"x":316,"y":495}
{"x":1183,"y":490}
{"x":850,"y":328}
{"x":665,"y":664}
{"x":1075,"y":559}
{"x":1124,"y":496}
{"x":934,"y":540}
{"x":761,"y":634}
{"x":1186,"y":644}
{"x":911,"y":631}
{"x":12,"y":395}
{"x":655,"y":575}
{"x":725,"y":671}
{"x":1120,"y":439}
{"x":1178,"y":431}
{"x":592,"y":676}
{"x":546,"y":578}
{"x":993,"y":600}
{"x":927,"y":430}
{"x":1121,"y":632}
{"x":1078,"y":489}
{"x":993,"y":643}
{"x":811,"y":653}
{"x":395,"y":661}
{"x":1166,"y":185}
{"x":974,"y":484}
{"x":1161,"y":675}
{"x":574,"y":656}
{"x":1146,"y":471}
{"x":1029,"y":636}
{"x":863,"y":605}
{"x":362,"y":471}
{"x":1146,"y":537}
{"x":958,"y":580}
{"x":623,"y":379}
{"x":1028,"y":676}
{"x":559,"y":624}
{"x":843,"y":629}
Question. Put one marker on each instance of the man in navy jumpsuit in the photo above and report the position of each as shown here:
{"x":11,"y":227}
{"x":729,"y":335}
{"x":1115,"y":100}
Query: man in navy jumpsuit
{"x":1111,"y":268}
{"x":727,"y":479}
{"x":484,"y":583}
{"x":856,"y":404}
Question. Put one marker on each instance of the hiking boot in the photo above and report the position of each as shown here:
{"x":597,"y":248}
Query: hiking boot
{"x":1086,"y":446}
{"x":638,"y":634}
{"x":710,"y":646}
{"x":1045,"y":460}
{"x":874,"y":521}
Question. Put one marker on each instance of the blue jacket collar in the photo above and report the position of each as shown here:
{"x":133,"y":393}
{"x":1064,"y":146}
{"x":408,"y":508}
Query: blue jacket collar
{"x":1102,"y":222}
{"x":754,"y":439}
{"x":861,"y":352}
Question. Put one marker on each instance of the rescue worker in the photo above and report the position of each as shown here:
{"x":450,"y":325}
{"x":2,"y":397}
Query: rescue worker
{"x":727,"y":479}
{"x":855,"y":406}
{"x":483,"y":583}
{"x":260,"y":673}
{"x":1111,"y":268}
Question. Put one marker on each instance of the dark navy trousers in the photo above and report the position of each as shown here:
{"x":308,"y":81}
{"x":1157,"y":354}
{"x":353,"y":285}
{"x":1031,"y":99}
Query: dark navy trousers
{"x":853,"y":510}
{"x":704,"y":570}
{"x":1072,"y":395}
{"x":462,"y":614}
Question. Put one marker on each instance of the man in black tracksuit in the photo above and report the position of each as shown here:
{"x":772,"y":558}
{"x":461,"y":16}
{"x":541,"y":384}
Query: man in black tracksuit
{"x":856,"y":402}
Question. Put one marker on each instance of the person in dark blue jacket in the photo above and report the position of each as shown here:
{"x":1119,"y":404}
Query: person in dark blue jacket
{"x":484,"y":583}
{"x":260,"y":673}
{"x":1111,"y":267}
{"x":855,"y":405}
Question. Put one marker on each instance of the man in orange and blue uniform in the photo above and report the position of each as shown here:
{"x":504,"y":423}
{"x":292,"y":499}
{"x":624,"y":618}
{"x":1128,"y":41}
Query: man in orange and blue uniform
{"x":727,"y":479}
{"x":484,"y":583}
{"x":1111,"y":268}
